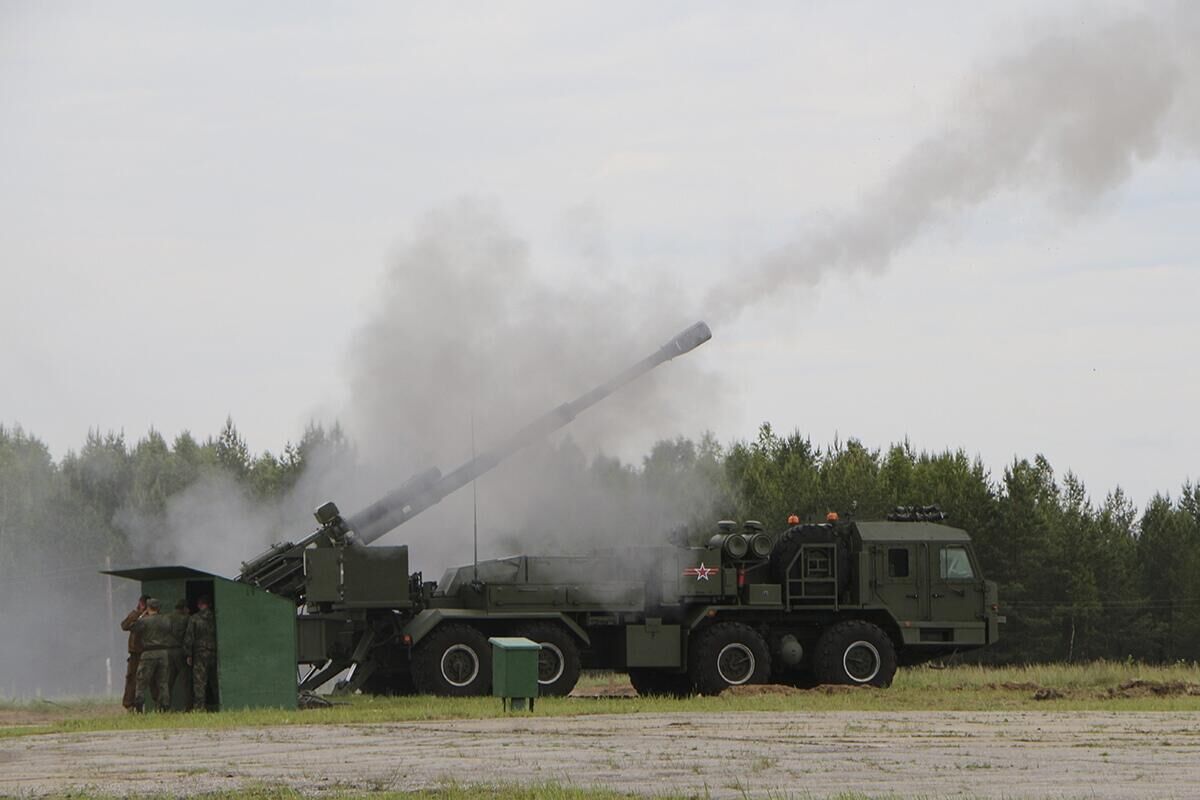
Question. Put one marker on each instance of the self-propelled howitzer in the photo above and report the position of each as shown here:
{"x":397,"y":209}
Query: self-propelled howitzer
{"x":280,"y":570}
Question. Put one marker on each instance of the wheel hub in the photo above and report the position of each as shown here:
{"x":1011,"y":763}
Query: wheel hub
{"x":735,"y":663}
{"x":460,"y":665}
{"x":861,"y":661}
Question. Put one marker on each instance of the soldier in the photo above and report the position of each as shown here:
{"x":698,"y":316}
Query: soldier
{"x":180,"y":677}
{"x":200,"y":647}
{"x":129,"y":699}
{"x":153,"y":666}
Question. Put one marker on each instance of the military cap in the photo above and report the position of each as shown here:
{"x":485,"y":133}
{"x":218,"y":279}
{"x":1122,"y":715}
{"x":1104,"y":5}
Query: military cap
{"x":153,"y":603}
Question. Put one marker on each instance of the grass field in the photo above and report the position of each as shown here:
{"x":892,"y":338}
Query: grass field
{"x":1107,"y":686}
{"x":575,"y":757}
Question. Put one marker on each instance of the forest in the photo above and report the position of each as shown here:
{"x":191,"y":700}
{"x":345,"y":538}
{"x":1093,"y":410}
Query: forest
{"x":1080,"y":579}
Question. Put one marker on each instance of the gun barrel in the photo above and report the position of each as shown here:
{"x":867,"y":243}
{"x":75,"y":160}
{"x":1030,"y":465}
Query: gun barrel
{"x":411,"y":499}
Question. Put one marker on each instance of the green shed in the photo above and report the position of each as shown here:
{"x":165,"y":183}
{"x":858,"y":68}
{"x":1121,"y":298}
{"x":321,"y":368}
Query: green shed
{"x":256,"y":633}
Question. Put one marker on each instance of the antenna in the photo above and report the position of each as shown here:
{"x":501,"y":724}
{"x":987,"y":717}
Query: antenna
{"x":474,"y":504}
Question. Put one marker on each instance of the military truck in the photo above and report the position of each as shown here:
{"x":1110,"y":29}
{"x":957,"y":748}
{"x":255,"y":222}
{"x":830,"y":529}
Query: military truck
{"x":832,"y":601}
{"x":838,"y":602}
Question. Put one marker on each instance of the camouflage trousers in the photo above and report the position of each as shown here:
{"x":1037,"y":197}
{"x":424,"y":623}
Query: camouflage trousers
{"x":129,"y":699}
{"x":153,"y":677}
{"x":180,"y":679}
{"x":204,"y":678}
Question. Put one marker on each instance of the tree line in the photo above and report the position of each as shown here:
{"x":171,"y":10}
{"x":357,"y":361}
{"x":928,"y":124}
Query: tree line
{"x":81,"y":505}
{"x":1079,"y":579}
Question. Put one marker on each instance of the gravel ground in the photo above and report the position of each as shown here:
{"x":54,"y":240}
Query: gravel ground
{"x":1010,"y":755}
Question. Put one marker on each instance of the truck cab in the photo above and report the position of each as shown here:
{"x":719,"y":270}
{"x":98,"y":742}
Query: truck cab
{"x":928,"y":578}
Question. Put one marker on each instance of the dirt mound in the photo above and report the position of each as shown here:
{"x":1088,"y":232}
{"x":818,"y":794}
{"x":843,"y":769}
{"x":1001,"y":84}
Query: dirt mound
{"x":783,"y":690}
{"x":604,"y":691}
{"x":837,"y":689}
{"x":1141,"y":688}
{"x":761,"y":690}
{"x":1131,"y":688}
{"x":749,"y":690}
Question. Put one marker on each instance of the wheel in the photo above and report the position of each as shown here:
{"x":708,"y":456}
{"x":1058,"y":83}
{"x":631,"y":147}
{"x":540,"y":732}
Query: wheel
{"x":452,"y":661}
{"x":855,"y":652}
{"x":728,"y":654}
{"x":649,"y":681}
{"x":558,"y":661}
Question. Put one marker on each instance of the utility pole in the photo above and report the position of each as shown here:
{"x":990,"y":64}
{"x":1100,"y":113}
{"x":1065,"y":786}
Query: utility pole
{"x":112,"y":621}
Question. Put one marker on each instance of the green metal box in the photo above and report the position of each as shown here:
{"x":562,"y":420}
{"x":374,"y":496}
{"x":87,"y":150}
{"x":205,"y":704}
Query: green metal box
{"x":256,"y":633}
{"x":653,"y":645}
{"x":358,"y":577}
{"x":514,"y":667}
{"x":763,"y":594}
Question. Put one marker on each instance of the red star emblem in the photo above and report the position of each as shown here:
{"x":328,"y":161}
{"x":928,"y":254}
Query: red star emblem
{"x":701,"y":572}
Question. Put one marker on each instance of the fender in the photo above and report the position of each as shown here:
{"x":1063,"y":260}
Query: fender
{"x":694,"y":616}
{"x":424,"y":622}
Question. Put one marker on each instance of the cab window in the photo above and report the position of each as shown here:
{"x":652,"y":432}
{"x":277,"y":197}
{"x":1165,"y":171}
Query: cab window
{"x":956,"y":565}
{"x":898,"y":562}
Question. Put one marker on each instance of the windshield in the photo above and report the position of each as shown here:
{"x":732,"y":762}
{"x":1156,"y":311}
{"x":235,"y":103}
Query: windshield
{"x":956,"y":565}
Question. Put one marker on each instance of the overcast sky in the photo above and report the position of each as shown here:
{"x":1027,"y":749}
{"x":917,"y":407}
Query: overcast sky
{"x":198,"y":203}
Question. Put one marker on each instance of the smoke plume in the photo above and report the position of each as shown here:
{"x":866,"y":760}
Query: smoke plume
{"x":467,"y":334}
{"x":1072,"y":117}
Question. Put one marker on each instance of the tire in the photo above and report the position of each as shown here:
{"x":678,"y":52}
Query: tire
{"x":728,"y":654}
{"x":558,"y":661}
{"x":650,"y":682}
{"x":453,"y":661}
{"x":855,"y":653}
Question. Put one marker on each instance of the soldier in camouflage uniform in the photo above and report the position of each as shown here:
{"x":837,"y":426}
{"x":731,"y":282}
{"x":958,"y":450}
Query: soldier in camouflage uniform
{"x":154,"y":667}
{"x":129,"y":700}
{"x":200,"y":647}
{"x":180,"y":676}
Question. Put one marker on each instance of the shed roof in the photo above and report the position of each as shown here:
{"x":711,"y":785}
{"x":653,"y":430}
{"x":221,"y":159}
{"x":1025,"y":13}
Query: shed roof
{"x":161,"y":573}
